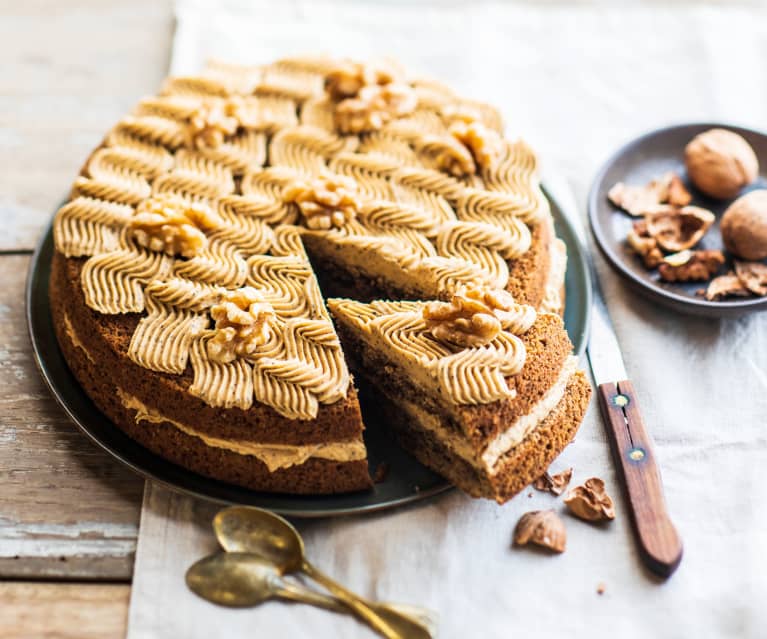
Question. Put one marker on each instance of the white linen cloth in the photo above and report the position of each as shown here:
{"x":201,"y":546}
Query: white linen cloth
{"x":577,"y":80}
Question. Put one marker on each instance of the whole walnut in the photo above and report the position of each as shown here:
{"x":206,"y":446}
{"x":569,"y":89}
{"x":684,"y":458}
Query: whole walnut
{"x":744,"y":226}
{"x":720,"y":163}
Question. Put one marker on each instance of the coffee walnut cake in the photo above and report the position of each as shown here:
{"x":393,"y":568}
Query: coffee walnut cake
{"x":202,"y":237}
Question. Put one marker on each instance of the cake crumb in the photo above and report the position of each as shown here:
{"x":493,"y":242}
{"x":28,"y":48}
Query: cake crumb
{"x":601,"y":588}
{"x":382,"y":470}
{"x":530,"y":494}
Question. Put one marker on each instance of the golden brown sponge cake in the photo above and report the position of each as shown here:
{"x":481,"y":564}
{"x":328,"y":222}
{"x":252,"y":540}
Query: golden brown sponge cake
{"x":185,"y":286}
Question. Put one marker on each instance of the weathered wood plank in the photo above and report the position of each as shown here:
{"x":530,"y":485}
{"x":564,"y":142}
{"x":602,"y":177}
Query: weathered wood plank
{"x":63,"y":611}
{"x":68,"y":75}
{"x":68,"y":510}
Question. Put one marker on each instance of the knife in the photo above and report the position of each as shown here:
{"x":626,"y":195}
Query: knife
{"x":659,"y":544}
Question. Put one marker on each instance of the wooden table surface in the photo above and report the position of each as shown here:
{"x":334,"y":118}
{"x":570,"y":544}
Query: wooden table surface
{"x":68,"y":512}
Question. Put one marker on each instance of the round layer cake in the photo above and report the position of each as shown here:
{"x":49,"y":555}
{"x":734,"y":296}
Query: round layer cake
{"x":202,"y":237}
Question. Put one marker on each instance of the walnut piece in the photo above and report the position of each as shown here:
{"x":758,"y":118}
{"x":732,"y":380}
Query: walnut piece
{"x":171,"y":225}
{"x":744,"y":226}
{"x":455,"y":158}
{"x":728,"y":285}
{"x":243,"y":321}
{"x":348,"y":78}
{"x":676,"y":229}
{"x":212,"y":122}
{"x":644,"y":245}
{"x":475,"y":316}
{"x":590,"y":501}
{"x":637,"y":200}
{"x":484,"y":144}
{"x":373,"y":107}
{"x":326,"y":202}
{"x":720,"y":163}
{"x":753,"y":275}
{"x":554,"y":484}
{"x":543,"y":528}
{"x":691,"y":266}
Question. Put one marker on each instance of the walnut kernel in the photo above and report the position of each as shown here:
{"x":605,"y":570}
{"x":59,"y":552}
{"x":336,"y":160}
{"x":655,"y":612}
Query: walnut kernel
{"x":171,"y":225}
{"x":373,"y":107}
{"x":543,"y":528}
{"x":644,"y":245}
{"x":590,"y":501}
{"x":326,"y":202}
{"x":474,"y":316}
{"x":346,"y":79}
{"x":484,"y":144}
{"x":212,"y":122}
{"x":243,"y":321}
{"x":691,"y":266}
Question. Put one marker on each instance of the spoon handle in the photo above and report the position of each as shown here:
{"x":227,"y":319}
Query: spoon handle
{"x":357,"y":605}
{"x":409,"y":621}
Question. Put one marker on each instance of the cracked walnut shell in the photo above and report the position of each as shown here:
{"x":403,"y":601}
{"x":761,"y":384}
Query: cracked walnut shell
{"x":554,"y":484}
{"x":475,"y":316}
{"x":677,"y":229}
{"x":243,"y":321}
{"x":543,"y":528}
{"x":637,"y":200}
{"x":720,"y":163}
{"x":326,"y":202}
{"x":590,"y":501}
{"x":753,"y":275}
{"x":171,"y":225}
{"x":728,"y":285}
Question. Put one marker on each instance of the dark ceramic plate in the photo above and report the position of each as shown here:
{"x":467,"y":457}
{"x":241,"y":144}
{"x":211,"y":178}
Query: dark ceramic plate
{"x":638,"y":162}
{"x":406,"y":479}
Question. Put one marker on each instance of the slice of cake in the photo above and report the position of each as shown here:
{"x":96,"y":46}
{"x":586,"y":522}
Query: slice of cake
{"x":482,"y":390}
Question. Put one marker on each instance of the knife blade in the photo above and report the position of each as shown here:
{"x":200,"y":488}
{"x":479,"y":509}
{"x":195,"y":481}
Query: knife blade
{"x":659,"y":544}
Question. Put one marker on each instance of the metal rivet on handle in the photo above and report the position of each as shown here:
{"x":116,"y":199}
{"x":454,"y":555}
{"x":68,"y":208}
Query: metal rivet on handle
{"x":636,"y":454}
{"x":621,"y":400}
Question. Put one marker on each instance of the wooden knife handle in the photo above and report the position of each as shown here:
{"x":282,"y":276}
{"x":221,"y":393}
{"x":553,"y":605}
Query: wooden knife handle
{"x":659,"y":543}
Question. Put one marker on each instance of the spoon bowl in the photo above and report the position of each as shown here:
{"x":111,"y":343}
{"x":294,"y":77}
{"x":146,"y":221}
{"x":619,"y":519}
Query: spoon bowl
{"x":233,"y":579}
{"x":252,"y":530}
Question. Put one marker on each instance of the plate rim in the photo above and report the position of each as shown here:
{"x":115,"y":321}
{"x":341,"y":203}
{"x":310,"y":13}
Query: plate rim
{"x":653,"y":291}
{"x":36,"y":337}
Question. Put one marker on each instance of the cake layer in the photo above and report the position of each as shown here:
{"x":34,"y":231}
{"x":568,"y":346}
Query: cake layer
{"x":189,"y":448}
{"x":516,"y":469}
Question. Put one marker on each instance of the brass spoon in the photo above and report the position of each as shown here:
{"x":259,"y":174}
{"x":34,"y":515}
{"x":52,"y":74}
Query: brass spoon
{"x":244,"y":579}
{"x":257,"y":531}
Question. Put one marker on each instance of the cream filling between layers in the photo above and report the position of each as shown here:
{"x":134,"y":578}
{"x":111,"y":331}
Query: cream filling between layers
{"x":505,"y":441}
{"x":76,"y":342}
{"x":552,"y":299}
{"x":274,"y":456}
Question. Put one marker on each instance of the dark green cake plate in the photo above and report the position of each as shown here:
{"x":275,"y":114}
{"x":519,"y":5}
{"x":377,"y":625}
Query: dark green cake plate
{"x":404,"y":481}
